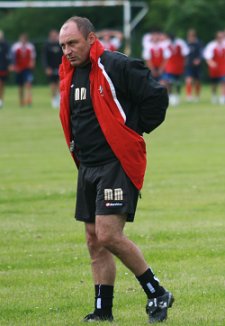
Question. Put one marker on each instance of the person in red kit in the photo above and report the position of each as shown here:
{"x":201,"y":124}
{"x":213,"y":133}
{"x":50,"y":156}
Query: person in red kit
{"x":23,"y":58}
{"x":155,"y":55}
{"x":107,"y":101}
{"x":174,"y":68}
{"x":214,"y":54}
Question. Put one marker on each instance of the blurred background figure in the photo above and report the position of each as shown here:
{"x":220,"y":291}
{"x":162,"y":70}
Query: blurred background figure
{"x":52,"y":57}
{"x":23,"y":63}
{"x":4,"y":65}
{"x":214,"y":54}
{"x":146,"y":40}
{"x":174,"y":68}
{"x":155,"y":54}
{"x":193,"y":66}
{"x":110,"y":39}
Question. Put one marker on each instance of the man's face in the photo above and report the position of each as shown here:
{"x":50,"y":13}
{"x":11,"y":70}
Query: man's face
{"x":220,"y":37}
{"x":23,"y":38}
{"x":74,"y":45}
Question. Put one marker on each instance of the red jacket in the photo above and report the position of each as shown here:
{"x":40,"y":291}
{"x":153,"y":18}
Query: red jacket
{"x":127,"y":145}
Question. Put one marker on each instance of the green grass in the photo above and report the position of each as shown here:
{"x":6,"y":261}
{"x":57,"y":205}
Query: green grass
{"x":45,"y":277}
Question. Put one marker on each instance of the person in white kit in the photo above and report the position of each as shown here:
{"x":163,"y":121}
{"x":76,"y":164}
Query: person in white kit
{"x":110,"y":39}
{"x":214,"y":54}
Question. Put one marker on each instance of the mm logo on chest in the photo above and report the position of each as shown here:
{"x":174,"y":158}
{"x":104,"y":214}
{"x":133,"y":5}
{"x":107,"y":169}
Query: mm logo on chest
{"x":80,"y":94}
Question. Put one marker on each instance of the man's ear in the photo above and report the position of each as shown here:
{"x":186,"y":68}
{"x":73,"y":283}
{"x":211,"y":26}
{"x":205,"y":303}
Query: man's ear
{"x":91,"y":38}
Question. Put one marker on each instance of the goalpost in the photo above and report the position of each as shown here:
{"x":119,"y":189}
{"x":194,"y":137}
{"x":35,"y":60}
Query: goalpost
{"x":129,"y":23}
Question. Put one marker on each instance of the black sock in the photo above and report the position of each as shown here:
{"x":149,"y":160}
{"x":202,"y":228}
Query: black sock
{"x":150,"y":284}
{"x":103,"y":300}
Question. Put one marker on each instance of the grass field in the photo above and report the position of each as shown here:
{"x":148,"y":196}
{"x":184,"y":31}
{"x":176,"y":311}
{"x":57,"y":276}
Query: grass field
{"x":45,"y":277}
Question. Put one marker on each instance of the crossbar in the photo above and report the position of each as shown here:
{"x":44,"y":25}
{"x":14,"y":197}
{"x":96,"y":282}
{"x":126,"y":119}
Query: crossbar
{"x":128,"y":23}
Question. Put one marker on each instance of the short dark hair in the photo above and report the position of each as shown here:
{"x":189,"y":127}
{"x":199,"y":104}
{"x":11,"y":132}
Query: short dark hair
{"x":83,"y":24}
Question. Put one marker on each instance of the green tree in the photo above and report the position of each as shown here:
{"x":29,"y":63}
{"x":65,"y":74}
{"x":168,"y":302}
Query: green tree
{"x":174,"y":16}
{"x":177,"y":16}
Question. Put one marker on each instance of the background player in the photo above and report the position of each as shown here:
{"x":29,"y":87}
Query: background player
{"x":52,"y":57}
{"x":4,"y":65}
{"x":110,"y":39}
{"x":23,"y":63}
{"x":155,"y":54}
{"x":193,"y":66}
{"x":214,"y":54}
{"x":174,"y":68}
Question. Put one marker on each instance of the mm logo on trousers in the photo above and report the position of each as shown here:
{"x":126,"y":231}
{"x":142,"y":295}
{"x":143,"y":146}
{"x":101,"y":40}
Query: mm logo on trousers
{"x":113,"y":194}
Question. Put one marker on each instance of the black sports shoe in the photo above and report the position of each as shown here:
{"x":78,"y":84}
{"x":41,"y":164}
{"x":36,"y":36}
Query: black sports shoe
{"x":156,"y":308}
{"x":93,"y":317}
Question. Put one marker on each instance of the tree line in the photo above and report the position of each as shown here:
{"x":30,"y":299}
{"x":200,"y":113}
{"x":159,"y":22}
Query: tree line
{"x":169,"y":15}
{"x":173,"y":16}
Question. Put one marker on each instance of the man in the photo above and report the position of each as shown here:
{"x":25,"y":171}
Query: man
{"x":4,"y":64}
{"x":110,"y":39}
{"x":107,"y":102}
{"x":214,"y":54}
{"x":193,"y":66}
{"x":23,"y":57}
{"x":52,"y":57}
{"x":155,"y":55}
{"x":174,"y":68}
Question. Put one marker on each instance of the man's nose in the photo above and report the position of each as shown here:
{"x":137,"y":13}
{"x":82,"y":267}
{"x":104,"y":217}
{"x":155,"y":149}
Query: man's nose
{"x":67,"y":49}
